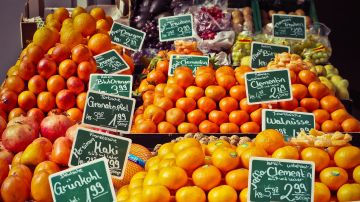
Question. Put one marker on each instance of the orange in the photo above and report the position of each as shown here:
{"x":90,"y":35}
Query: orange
{"x":184,"y":78}
{"x":147,"y":126}
{"x":196,"y":116}
{"x":182,"y":69}
{"x":289,"y":105}
{"x":164,"y":103}
{"x":224,"y":70}
{"x":173,"y":91}
{"x":85,"y":24}
{"x":80,"y":100}
{"x":300,"y":109}
{"x":321,"y":192}
{"x":65,"y":99}
{"x":330,"y":103}
{"x":228,"y":104}
{"x":244,"y":146}
{"x":175,"y":116}
{"x":159,"y":89}
{"x":250,"y":127}
{"x":46,"y":101}
{"x":206,"y":177}
{"x":218,"y":117}
{"x":208,"y":127}
{"x":190,"y":194}
{"x":184,"y":144}
{"x":247,"y":107}
{"x":251,"y":152}
{"x":256,"y":116}
{"x":215,"y":92}
{"x":204,"y":80}
{"x":98,"y":13}
{"x":55,"y":84}
{"x":238,"y":92}
{"x":166,"y":127}
{"x":155,"y":193}
{"x":14,"y":189}
{"x":318,"y":90}
{"x":347,"y":157}
{"x":26,"y":70}
{"x":205,"y":69}
{"x":340,"y":115}
{"x":67,"y":68}
{"x":191,"y":158}
{"x":99,"y":43}
{"x":333,"y":177}
{"x":286,"y":152}
{"x":75,"y":114}
{"x":356,"y":174}
{"x":243,"y":195}
{"x":240,"y":78}
{"x":61,"y":14}
{"x":225,"y":159}
{"x":80,"y":53}
{"x":26,"y":100}
{"x":238,"y":179}
{"x":238,"y":117}
{"x":307,"y":76}
{"x":222,"y":193}
{"x":185,"y":127}
{"x":310,"y":104}
{"x":194,"y":92}
{"x":214,"y":145}
{"x":206,"y":104}
{"x":226,"y":81}
{"x":154,"y":113}
{"x":156,"y":77}
{"x":321,"y":115}
{"x":34,"y":53}
{"x":103,"y":25}
{"x":186,"y":104}
{"x":75,"y":85}
{"x":270,"y":140}
{"x":14,"y":83}
{"x":349,"y":192}
{"x":299,"y":91}
{"x":293,"y":76}
{"x":163,"y":66}
{"x":350,"y":125}
{"x":318,"y":156}
{"x":330,"y":126}
{"x":229,"y":128}
{"x":16,"y":112}
{"x":173,"y":177}
{"x":77,"y":11}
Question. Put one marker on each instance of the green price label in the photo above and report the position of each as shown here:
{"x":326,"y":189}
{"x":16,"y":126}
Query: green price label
{"x":289,"y":26}
{"x":109,"y":112}
{"x":175,"y":27}
{"x":113,"y":84}
{"x":126,"y":36}
{"x":280,"y":180}
{"x":286,"y":122}
{"x":268,"y":86}
{"x":111,"y":62}
{"x":88,"y":182}
{"x":191,"y":61}
{"x":262,"y":53}
{"x":90,"y":145}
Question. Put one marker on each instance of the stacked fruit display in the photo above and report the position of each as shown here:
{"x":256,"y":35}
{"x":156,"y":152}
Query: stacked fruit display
{"x":190,"y":171}
{"x":215,"y":101}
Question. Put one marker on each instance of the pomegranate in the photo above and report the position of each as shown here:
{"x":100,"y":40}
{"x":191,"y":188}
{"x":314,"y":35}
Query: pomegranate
{"x":25,"y":120}
{"x":2,"y":125}
{"x":71,"y":132}
{"x":6,"y":155}
{"x":55,"y":126}
{"x":17,"y":137}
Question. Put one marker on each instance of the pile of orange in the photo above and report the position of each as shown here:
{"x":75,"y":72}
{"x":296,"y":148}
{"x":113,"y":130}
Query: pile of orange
{"x":213,"y":101}
{"x":192,"y":172}
{"x":53,"y":71}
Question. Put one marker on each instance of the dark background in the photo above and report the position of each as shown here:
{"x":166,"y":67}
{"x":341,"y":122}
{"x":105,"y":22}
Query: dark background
{"x":342,"y":17}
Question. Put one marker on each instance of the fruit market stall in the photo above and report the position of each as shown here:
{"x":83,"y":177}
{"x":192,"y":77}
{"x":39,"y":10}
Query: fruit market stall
{"x":186,"y":101}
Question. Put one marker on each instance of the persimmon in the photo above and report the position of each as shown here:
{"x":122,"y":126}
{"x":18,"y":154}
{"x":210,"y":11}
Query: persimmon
{"x":350,"y":125}
{"x":146,"y":126}
{"x":164,"y":103}
{"x":154,"y":113}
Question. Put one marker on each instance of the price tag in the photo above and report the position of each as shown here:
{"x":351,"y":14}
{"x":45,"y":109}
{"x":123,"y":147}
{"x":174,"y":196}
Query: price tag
{"x":280,"y":180}
{"x":113,"y":84}
{"x":191,"y":61}
{"x":175,"y":27}
{"x":90,"y":145}
{"x":88,"y":182}
{"x":111,"y":62}
{"x":268,"y":86}
{"x":262,"y":53}
{"x":289,"y":26}
{"x":109,"y":112}
{"x":126,"y":36}
{"x":287,"y":122}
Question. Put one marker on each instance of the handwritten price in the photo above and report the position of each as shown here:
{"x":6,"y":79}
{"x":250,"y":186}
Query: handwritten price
{"x":94,"y":191}
{"x":117,"y":118}
{"x":120,"y":88}
{"x":299,"y":190}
